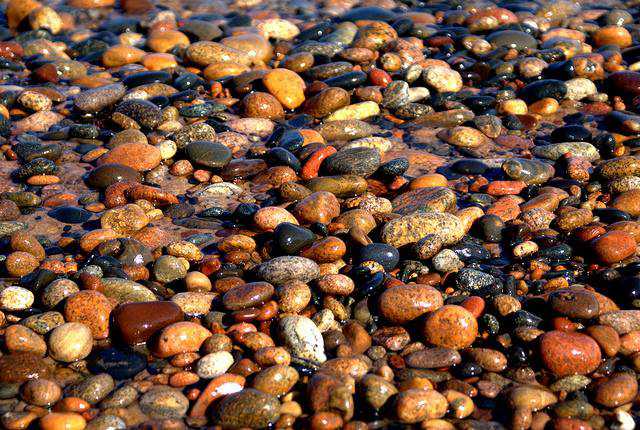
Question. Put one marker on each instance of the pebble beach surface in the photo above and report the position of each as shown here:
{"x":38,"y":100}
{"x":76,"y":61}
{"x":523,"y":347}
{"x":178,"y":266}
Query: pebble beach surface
{"x":337,"y":214}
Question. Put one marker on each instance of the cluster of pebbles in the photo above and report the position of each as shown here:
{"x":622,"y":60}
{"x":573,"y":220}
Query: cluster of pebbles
{"x":326,"y":215}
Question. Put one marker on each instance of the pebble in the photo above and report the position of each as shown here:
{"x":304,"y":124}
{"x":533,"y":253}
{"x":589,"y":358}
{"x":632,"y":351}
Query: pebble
{"x":71,"y":341}
{"x":303,"y":338}
{"x":411,"y":228}
{"x":565,"y":353}
{"x":328,"y":215}
{"x":164,"y":403}
{"x":451,"y":326}
{"x":215,"y":364}
{"x":286,"y":86}
{"x":404,"y":303}
{"x":286,"y":269}
{"x":137,"y":322}
{"x":248,"y":408}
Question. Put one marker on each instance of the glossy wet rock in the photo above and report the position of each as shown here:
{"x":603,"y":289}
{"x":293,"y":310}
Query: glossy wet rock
{"x":569,"y":353}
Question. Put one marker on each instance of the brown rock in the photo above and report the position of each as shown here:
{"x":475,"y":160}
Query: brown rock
{"x":405,"y":303}
{"x":41,"y":392}
{"x":18,"y":10}
{"x":614,"y":246}
{"x":21,"y":263}
{"x":415,"y":405}
{"x":326,"y":102}
{"x":451,"y":326}
{"x":91,"y":308}
{"x":490,"y":360}
{"x":137,"y":322}
{"x":21,"y":339}
{"x":568,"y":353}
{"x":617,"y":390}
{"x":433,"y":358}
{"x":120,"y":55}
{"x":607,"y":338}
{"x":613,"y":35}
{"x":262,"y":105}
{"x":286,"y":85}
{"x":62,"y":420}
{"x":247,"y":295}
{"x":321,"y":206}
{"x":181,"y":337}
{"x":326,"y":250}
{"x":629,"y":201}
{"x":22,"y":366}
{"x":138,"y":156}
{"x":23,"y":241}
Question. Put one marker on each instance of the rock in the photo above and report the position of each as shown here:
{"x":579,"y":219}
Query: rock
{"x":622,"y":322}
{"x":442,"y":79}
{"x":93,"y":389}
{"x":415,"y":405}
{"x":209,"y":154}
{"x":576,"y":149}
{"x":287,"y":269}
{"x":433,"y":358}
{"x":530,"y":397}
{"x":248,"y":295}
{"x":125,"y":220}
{"x":168,"y":268}
{"x":303,"y":338}
{"x":405,"y":303}
{"x":19,"y":338}
{"x":247,"y":408}
{"x":512,"y":39}
{"x":357,"y":111}
{"x":108,"y":174}
{"x":566,"y":353}
{"x":437,"y":198}
{"x":194,"y":132}
{"x":628,"y":202}
{"x":119,"y":364}
{"x":286,"y":86}
{"x":327,"y":101}
{"x":613,"y":35}
{"x":181,"y":337}
{"x":205,"y":52}
{"x":614,"y":246}
{"x":276,"y":380}
{"x":164,"y":403}
{"x":383,"y":254}
{"x":138,"y":156}
{"x":70,"y":342}
{"x":262,"y":105}
{"x":411,"y":228}
{"x":21,"y":263}
{"x":137,"y":322}
{"x":451,"y":326}
{"x":124,"y":291}
{"x":529,"y":171}
{"x":574,"y":303}
{"x":96,"y":99}
{"x":41,"y":392}
{"x":62,"y":420}
{"x":377,"y":390}
{"x":465,"y":137}
{"x":23,"y":366}
{"x":16,"y":299}
{"x":214,"y":364}
{"x":91,"y":308}
{"x":321,"y":206}
{"x":353,"y":161}
{"x":617,"y":390}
